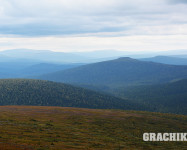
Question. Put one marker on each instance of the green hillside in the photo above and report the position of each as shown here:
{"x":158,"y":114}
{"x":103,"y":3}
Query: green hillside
{"x":58,"y":128}
{"x":119,"y":72}
{"x":169,"y":97}
{"x":46,"y":93}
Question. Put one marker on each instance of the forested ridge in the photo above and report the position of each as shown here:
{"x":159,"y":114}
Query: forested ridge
{"x":47,"y":93}
{"x":169,"y":97}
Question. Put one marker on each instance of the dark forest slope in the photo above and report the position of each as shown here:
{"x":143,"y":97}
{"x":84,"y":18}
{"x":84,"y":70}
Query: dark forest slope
{"x":46,"y":93}
{"x":169,"y":97}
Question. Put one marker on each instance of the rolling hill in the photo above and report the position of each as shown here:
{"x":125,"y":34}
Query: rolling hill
{"x":169,"y":97}
{"x":167,"y":60}
{"x":46,"y":93}
{"x":119,"y":72}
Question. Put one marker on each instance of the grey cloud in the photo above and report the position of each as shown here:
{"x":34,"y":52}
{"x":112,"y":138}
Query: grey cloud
{"x":63,"y":17}
{"x":51,"y":29}
{"x":177,"y":1}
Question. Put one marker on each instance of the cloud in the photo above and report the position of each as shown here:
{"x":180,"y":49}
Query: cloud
{"x":178,"y":1}
{"x":72,"y":17}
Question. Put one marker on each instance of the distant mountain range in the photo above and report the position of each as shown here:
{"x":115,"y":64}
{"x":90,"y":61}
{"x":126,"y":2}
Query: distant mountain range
{"x":41,"y":56}
{"x":119,"y":72}
{"x":167,"y":60}
{"x":30,"y":69}
{"x":43,"y":68}
{"x":133,"y":54}
{"x":47,"y":56}
{"x":26,"y":63}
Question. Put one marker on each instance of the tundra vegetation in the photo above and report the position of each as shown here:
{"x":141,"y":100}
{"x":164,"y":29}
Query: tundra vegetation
{"x":44,"y":127}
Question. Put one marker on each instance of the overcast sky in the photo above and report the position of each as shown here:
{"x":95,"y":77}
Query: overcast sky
{"x":85,"y":25}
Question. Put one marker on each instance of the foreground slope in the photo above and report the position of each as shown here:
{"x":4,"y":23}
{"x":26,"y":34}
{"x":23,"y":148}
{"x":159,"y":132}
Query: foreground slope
{"x":56,"y":128}
{"x":119,"y":72}
{"x":169,"y":97}
{"x":46,"y":93}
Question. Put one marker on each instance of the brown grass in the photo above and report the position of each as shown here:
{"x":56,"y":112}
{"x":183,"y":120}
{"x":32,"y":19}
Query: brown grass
{"x":58,"y":128}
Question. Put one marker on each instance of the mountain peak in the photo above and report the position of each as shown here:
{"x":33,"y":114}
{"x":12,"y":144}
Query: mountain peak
{"x":125,"y":59}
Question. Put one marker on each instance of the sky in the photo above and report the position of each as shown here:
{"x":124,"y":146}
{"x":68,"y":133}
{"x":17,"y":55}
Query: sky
{"x":88,"y":25}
